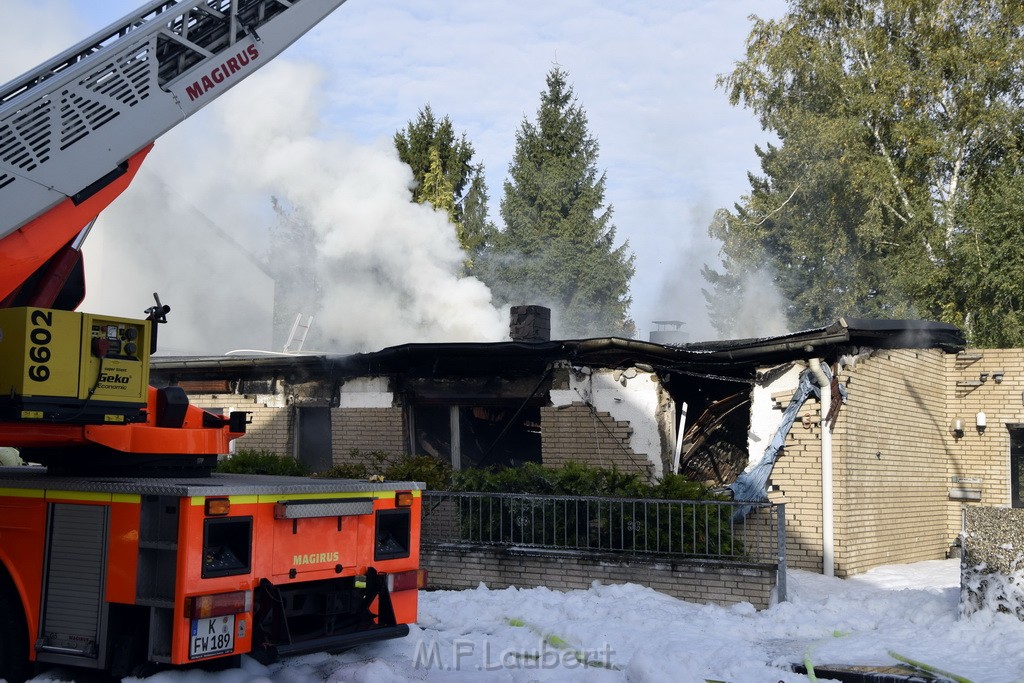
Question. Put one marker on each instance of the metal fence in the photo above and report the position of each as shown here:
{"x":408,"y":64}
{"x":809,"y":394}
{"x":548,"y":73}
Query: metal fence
{"x":705,"y":530}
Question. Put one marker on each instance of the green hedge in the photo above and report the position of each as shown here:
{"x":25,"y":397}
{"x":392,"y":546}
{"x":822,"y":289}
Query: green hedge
{"x":690,"y":529}
{"x":571,"y":479}
{"x":248,"y":461}
{"x":577,"y":479}
{"x":436,"y":474}
{"x":602,"y":524}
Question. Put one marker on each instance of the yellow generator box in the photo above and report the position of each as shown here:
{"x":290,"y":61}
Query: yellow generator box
{"x":69,"y":366}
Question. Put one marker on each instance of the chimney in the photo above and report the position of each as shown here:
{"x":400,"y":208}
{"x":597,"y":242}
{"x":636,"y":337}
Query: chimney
{"x":530,"y":323}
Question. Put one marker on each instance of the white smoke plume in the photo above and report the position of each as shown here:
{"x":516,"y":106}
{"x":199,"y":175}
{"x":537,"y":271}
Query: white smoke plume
{"x":201,"y":211}
{"x":760,"y":308}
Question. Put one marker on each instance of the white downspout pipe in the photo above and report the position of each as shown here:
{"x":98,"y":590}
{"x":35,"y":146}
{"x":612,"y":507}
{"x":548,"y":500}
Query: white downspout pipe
{"x":680,"y":433}
{"x":827,"y":497}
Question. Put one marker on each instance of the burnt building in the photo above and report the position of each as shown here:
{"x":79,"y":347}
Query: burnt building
{"x":883,"y":482}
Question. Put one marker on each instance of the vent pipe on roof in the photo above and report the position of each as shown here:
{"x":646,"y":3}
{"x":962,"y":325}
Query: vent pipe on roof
{"x":669,"y":332}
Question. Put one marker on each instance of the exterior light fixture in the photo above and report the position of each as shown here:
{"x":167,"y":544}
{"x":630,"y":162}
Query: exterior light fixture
{"x":998,"y":376}
{"x":980,"y":421}
{"x":983,"y":377}
{"x":957,"y":427}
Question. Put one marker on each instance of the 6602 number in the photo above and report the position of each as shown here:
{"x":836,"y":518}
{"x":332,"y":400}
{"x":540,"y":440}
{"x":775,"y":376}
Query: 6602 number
{"x":39,"y":352}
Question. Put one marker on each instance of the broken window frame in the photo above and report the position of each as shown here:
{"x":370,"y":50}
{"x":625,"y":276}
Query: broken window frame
{"x":495,"y":450}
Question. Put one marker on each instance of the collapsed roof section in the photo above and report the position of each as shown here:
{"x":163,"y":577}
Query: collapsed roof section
{"x":736,"y":359}
{"x":710,"y":383}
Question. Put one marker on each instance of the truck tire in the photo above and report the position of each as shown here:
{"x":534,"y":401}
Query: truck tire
{"x":14,"y":664}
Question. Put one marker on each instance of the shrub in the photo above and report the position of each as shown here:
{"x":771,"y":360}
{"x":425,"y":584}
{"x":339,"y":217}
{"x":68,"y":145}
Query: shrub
{"x":572,"y":479}
{"x":249,"y":461}
{"x":600,"y":523}
{"x":436,"y":474}
{"x":577,"y":479}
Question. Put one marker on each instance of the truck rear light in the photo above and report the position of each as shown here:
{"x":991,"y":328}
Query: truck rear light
{"x":217,"y":507}
{"x":403,"y":499}
{"x":407,"y":581}
{"x":218,"y":604}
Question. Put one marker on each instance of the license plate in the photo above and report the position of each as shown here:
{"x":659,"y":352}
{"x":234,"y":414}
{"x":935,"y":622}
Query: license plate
{"x":213,"y":636}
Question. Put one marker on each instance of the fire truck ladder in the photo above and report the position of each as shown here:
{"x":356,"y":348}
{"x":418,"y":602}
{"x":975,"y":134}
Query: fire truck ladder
{"x":150,"y":70}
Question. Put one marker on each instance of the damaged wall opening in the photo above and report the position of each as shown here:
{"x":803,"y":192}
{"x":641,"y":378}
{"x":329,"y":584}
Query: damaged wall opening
{"x":468,"y":436}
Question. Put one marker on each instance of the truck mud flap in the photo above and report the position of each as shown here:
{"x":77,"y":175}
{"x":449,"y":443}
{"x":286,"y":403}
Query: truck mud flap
{"x":322,"y":616}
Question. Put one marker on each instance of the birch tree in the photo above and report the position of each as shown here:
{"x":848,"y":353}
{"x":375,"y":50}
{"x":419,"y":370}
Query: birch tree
{"x":891,"y":116}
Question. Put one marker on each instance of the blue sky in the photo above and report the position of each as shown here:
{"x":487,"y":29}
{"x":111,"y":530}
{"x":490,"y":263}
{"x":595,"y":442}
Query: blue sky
{"x":673,"y":149}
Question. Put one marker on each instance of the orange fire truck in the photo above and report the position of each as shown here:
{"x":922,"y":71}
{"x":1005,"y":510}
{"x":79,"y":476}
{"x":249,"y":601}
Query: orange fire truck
{"x":118,"y":546}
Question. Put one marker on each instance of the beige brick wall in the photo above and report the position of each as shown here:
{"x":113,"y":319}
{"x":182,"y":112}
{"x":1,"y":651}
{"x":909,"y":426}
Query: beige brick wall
{"x":889,"y":468}
{"x":460,"y":567}
{"x":367,"y":429}
{"x":797,"y":475}
{"x":983,"y":456}
{"x":271,"y":428}
{"x":577,"y":433}
{"x":890,"y":455}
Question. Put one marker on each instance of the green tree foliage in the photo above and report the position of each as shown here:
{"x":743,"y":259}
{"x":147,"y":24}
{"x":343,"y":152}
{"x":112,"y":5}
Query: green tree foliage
{"x":433,"y":151}
{"x":892,"y":116}
{"x":558,"y":244}
{"x":436,"y":189}
{"x":445,"y":178}
{"x":989,"y":260}
{"x":476,"y":231}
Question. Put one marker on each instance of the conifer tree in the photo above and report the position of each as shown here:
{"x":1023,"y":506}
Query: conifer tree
{"x":558,"y":247}
{"x":476,"y":231}
{"x":426,"y":136}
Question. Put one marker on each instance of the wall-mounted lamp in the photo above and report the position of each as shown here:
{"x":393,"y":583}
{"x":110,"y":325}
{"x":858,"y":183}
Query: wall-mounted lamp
{"x":980,"y":421}
{"x":957,"y":427}
{"x":998,"y":376}
{"x":983,"y":377}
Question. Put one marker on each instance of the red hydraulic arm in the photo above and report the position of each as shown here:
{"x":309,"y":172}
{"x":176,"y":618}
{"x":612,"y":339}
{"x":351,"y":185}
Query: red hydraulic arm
{"x":28,"y":254}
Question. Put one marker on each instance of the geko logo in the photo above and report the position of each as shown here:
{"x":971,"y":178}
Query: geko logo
{"x":115,"y":379}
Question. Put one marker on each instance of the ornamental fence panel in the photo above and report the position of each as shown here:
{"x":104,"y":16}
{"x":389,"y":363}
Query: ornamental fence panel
{"x":693,"y":529}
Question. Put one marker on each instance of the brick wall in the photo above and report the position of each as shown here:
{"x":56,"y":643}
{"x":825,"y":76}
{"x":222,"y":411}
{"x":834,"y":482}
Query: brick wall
{"x":578,"y":433}
{"x":459,"y":567}
{"x":271,"y":428}
{"x":983,"y":456}
{"x":890,"y":455}
{"x":889,"y":467}
{"x":797,"y":478}
{"x":367,"y":429}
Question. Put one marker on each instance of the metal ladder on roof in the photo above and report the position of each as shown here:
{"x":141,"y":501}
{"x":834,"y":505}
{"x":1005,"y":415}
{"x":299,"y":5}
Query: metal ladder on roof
{"x":298,"y":334}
